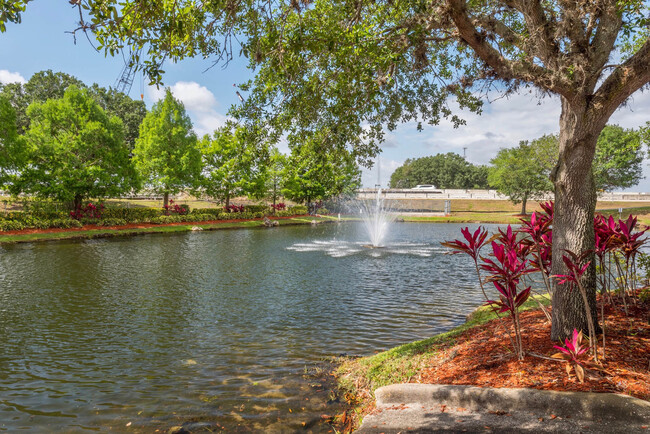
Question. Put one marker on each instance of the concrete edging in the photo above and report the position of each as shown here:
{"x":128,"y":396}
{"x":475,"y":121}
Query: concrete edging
{"x":605,"y":406}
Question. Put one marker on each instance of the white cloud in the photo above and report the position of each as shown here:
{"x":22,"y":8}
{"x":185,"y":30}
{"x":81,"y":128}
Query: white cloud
{"x":200,"y":103}
{"x":504,"y":123}
{"x":11,"y":77}
{"x":379,"y":173}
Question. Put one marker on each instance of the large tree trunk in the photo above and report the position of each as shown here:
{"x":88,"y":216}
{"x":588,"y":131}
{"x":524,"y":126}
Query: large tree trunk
{"x":227,"y":201}
{"x":166,"y":199}
{"x":523,"y":205}
{"x":573,"y":227}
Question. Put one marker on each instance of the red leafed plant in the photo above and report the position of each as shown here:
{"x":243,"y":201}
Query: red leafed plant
{"x":173,"y":208}
{"x":90,"y":211}
{"x":234,"y":208}
{"x":506,"y":273}
{"x":571,"y":352}
{"x":577,"y":266}
{"x":472,"y":247}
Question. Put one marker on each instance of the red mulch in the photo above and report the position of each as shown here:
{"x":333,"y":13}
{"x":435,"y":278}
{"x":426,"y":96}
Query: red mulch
{"x":132,"y":226}
{"x":484,"y":356}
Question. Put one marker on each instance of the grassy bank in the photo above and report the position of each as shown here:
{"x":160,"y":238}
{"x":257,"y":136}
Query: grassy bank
{"x":50,"y":235}
{"x":397,"y":365}
{"x":358,"y":378}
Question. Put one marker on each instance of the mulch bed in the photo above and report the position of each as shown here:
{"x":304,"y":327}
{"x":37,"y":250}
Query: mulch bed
{"x":133,"y":226}
{"x":483,"y":356}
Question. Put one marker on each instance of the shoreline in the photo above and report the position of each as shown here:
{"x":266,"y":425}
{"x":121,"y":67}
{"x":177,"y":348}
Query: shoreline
{"x":136,"y":229}
{"x":477,"y":353}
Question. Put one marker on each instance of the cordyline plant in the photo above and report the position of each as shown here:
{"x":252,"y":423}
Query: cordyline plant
{"x":572,"y":353}
{"x":472,"y":247}
{"x":539,"y":228}
{"x":577,"y":265}
{"x":506,"y":272}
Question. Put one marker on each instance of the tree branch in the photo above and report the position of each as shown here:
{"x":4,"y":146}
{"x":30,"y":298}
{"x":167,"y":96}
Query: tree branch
{"x":504,"y":68}
{"x":621,"y":84}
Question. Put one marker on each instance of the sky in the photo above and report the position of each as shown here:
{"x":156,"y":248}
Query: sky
{"x":41,"y":42}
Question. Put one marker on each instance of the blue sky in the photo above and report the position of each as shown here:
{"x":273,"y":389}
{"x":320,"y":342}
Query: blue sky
{"x":40,"y":42}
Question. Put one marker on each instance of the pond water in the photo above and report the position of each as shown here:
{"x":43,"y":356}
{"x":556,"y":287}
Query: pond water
{"x":220,"y":327}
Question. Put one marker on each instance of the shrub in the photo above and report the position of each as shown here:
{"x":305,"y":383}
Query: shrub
{"x":113,"y":222}
{"x":234,"y":208}
{"x":225,"y":216}
{"x":255,"y":208}
{"x":284,"y":213}
{"x":132,"y":215}
{"x":11,"y":225}
{"x":298,"y":210}
{"x":174,"y":208}
{"x":91,"y":211}
{"x":278,"y":206}
{"x":322,"y":211}
{"x":214,"y":212}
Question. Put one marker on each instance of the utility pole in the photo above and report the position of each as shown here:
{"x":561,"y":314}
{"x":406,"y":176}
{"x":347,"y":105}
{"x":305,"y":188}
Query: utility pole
{"x":464,"y":152}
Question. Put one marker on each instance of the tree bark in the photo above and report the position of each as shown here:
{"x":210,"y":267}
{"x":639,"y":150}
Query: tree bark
{"x":227,"y":201}
{"x":573,"y":227}
{"x":523,"y":205}
{"x":77,"y":202}
{"x":166,"y":199}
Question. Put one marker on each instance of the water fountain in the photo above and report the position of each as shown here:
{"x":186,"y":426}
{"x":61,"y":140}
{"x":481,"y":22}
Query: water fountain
{"x":376,"y":219}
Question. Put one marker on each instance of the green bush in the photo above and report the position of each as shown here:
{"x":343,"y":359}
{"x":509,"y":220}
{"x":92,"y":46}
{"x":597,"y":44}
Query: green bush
{"x":283,"y":213}
{"x":225,"y":216}
{"x":11,"y":225}
{"x":113,"y":222}
{"x":322,"y":211}
{"x":214,"y":212}
{"x":256,"y":208}
{"x":132,"y":215}
{"x":298,"y":210}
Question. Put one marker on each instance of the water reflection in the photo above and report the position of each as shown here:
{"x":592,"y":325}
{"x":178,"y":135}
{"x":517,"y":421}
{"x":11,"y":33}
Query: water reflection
{"x":217,"y":327}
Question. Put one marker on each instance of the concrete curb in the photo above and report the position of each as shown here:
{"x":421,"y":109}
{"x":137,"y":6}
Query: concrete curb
{"x":606,"y":406}
{"x":433,"y":408}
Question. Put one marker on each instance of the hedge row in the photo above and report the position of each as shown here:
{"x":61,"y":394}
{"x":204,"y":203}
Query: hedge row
{"x":15,"y":221}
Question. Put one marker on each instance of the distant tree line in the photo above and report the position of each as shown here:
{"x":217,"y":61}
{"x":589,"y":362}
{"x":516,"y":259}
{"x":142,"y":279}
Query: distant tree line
{"x":67,"y":141}
{"x":448,"y":170}
{"x":523,"y":173}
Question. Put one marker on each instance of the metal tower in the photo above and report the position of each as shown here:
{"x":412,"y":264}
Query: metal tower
{"x":125,"y":80}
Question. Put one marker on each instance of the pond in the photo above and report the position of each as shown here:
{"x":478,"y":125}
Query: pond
{"x":222,"y":327}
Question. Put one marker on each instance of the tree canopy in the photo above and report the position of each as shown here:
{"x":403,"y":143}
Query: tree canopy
{"x":619,"y":158}
{"x":230,"y":166}
{"x":310,"y":176}
{"x":45,"y":85}
{"x":75,"y":151}
{"x":166,"y":153}
{"x":522,"y":173}
{"x":448,"y":170}
{"x":12,"y":145}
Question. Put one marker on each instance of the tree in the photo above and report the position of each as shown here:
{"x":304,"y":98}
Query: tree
{"x":45,"y":85}
{"x":75,"y":151}
{"x":12,"y":145}
{"x":311,"y":176}
{"x":40,"y":87}
{"x":350,"y":69}
{"x":166,"y":154}
{"x":230,"y":166}
{"x":448,"y":170}
{"x":130,"y":111}
{"x":619,"y":158}
{"x":522,"y":173}
{"x":276,"y":167}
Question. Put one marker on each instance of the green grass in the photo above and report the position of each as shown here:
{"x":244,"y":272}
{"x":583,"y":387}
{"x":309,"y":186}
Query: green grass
{"x":106,"y":233}
{"x":361,"y":376}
